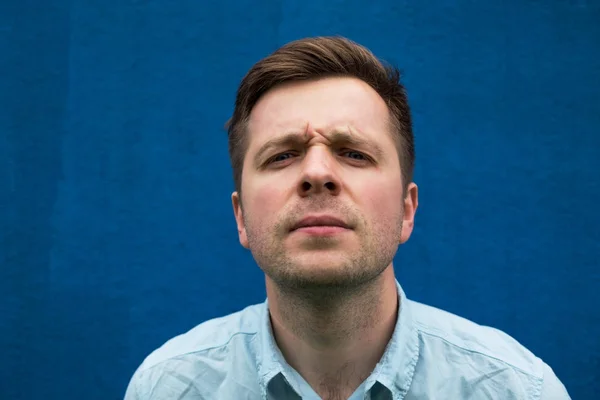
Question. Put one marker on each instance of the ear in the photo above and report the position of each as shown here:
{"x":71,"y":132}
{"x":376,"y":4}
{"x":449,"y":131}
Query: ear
{"x":411,"y":202}
{"x":236,"y":201}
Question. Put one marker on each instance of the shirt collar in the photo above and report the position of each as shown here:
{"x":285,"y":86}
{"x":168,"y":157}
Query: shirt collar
{"x":395,"y":370}
{"x":271,"y":364}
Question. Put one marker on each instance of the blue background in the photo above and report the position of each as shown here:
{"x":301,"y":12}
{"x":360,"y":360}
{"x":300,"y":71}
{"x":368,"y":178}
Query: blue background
{"x":116,"y":229}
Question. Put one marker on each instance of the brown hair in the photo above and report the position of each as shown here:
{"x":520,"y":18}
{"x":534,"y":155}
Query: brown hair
{"x":315,"y":58}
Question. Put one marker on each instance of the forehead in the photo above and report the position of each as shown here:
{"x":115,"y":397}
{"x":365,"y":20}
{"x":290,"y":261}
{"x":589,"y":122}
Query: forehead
{"x":325,"y":104}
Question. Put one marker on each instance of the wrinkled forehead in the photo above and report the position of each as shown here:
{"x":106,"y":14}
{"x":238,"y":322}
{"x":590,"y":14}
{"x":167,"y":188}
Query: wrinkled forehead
{"x":319,"y":107}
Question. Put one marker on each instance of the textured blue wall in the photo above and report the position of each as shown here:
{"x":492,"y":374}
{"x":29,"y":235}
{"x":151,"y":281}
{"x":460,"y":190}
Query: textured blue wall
{"x":116,"y":230}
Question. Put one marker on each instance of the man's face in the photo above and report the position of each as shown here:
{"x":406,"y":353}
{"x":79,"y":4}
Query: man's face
{"x":322,"y":201}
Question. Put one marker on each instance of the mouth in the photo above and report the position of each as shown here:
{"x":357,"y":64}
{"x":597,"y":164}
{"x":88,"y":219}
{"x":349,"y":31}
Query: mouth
{"x":323,"y":225}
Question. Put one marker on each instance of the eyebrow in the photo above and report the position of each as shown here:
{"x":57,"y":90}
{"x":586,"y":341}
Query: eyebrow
{"x":297,"y":139}
{"x":290,"y":138}
{"x":356,"y":140}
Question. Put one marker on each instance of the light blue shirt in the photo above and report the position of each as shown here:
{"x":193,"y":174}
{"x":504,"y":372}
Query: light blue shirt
{"x":432,"y":355}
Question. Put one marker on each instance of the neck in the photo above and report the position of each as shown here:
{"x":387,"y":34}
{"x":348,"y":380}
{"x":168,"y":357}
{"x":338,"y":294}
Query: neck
{"x":336,"y":338}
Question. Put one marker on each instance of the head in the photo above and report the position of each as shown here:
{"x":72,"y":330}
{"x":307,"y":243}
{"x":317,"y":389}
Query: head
{"x":322,"y":152}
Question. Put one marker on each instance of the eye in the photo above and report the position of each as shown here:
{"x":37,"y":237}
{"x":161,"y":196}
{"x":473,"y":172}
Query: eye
{"x":280,"y":157}
{"x":355,"y":155}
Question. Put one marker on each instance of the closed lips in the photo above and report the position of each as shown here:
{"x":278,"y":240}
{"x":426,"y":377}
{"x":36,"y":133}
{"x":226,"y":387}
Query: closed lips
{"x":320,"y":221}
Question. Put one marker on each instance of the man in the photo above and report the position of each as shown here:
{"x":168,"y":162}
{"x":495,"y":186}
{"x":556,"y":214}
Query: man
{"x":322,"y":151}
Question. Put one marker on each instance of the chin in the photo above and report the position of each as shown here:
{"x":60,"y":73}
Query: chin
{"x":323,"y":273}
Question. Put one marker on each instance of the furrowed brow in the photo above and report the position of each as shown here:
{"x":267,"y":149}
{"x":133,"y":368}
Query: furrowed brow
{"x":353,"y":139}
{"x":293,"y":139}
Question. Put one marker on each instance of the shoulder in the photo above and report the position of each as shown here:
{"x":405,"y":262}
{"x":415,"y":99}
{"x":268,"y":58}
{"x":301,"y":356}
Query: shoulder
{"x":470,"y":338}
{"x":482,"y":355}
{"x":208,"y":335}
{"x":212,"y":349}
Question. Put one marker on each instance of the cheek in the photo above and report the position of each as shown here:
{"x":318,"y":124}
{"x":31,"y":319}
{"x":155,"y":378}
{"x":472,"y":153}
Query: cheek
{"x":383,"y":199}
{"x":265,"y":201}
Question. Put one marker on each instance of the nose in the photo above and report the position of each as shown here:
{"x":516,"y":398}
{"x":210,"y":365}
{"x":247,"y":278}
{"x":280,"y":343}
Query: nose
{"x":319,"y":174}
